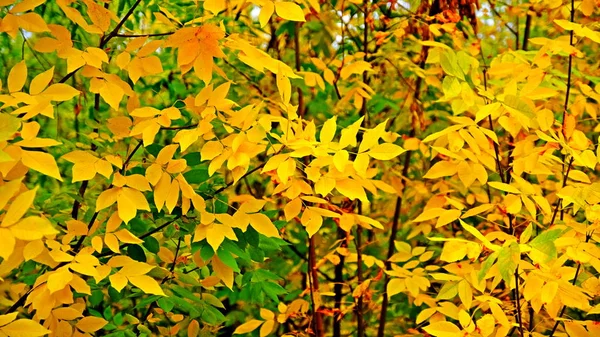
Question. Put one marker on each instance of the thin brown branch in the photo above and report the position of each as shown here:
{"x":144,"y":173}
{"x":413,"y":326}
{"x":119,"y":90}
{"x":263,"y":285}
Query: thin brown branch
{"x":313,"y":283}
{"x":144,"y":35}
{"x":301,"y":109}
{"x":115,"y":31}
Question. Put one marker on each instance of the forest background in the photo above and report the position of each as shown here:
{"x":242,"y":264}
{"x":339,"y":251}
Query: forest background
{"x":299,"y":168}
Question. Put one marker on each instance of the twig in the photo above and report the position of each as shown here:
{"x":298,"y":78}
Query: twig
{"x":104,"y":40}
{"x":301,"y":109}
{"x":518,"y":299}
{"x":143,"y":35}
{"x":115,"y":31}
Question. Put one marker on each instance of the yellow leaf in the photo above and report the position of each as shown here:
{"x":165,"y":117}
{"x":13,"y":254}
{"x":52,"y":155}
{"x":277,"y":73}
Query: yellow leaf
{"x":453,"y":251}
{"x":357,"y":67}
{"x":385,"y":151}
{"x":147,"y":284}
{"x":66,"y":313}
{"x":8,"y":243}
{"x":312,"y":221}
{"x":428,"y":214}
{"x":97,"y":243}
{"x":5,"y":319}
{"x":441,"y":169}
{"x":265,"y":13}
{"x":549,"y":291}
{"x":340,"y":159}
{"x":123,"y":60}
{"x":210,"y":150}
{"x":504,"y":187}
{"x":125,"y":236}
{"x":24,"y":328}
{"x":442,"y":329}
{"x":58,"y":280}
{"x":486,"y":325}
{"x":138,"y":181}
{"x":32,"y":228}
{"x":17,"y":77}
{"x":267,"y":328}
{"x":173,"y":196}
{"x":284,"y":86}
{"x":263,"y":225}
{"x":91,"y":324}
{"x":286,"y":170}
{"x":465,"y":293}
{"x":575,"y":329}
{"x":25,"y":5}
{"x":292,"y":209}
{"x":477,"y":210}
{"x":466,"y":174}
{"x":18,"y":208}
{"x":60,"y":92}
{"x":107,"y":198}
{"x":41,"y":162}
{"x":8,"y":190}
{"x":289,"y":11}
{"x":134,"y":268}
{"x":41,"y":81}
{"x":126,"y":208}
{"x":425,"y":314}
{"x":325,"y":185}
{"x":328,"y":130}
{"x":587,"y":7}
{"x":224,"y":273}
{"x":118,"y":281}
{"x":248,"y":327}
{"x":351,"y":189}
{"x":447,"y":217}
{"x":33,"y":249}
{"x":513,"y":203}
{"x":395,"y":286}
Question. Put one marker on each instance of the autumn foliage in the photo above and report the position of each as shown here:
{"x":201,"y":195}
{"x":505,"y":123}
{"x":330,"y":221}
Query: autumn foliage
{"x":299,"y":168}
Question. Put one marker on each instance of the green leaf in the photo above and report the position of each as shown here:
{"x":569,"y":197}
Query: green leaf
{"x":197,"y":176}
{"x":273,"y":290}
{"x":151,"y":244}
{"x":227,"y":259}
{"x":181,"y":291}
{"x":136,"y":252}
{"x":508,"y":259}
{"x":544,"y":243}
{"x":450,"y":65}
{"x":192,"y":159}
{"x":206,"y":252}
{"x":486,"y":265}
{"x":166,"y":304}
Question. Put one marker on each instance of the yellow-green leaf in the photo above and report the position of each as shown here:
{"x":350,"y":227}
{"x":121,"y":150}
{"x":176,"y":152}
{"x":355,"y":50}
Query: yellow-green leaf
{"x":8,"y":126}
